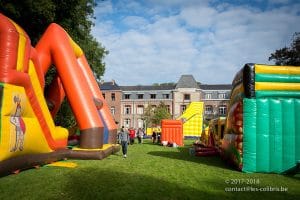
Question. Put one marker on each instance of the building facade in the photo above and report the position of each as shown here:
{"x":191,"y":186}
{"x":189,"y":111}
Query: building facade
{"x":128,"y":103}
{"x":135,"y":99}
{"x":113,"y":96}
{"x":215,"y":98}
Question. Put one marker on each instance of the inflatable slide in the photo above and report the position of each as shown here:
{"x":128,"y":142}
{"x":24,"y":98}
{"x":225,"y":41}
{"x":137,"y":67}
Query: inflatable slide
{"x":263,"y":122}
{"x":28,"y":135}
{"x":188,"y":124}
{"x":192,"y":119}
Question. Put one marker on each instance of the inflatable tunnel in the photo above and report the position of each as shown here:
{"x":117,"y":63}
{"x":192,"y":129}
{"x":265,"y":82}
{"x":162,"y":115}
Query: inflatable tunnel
{"x":263,"y":122}
{"x":28,"y":135}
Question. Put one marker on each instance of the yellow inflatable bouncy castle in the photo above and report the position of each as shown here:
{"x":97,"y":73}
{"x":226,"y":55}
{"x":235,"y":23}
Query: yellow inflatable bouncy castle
{"x":28,"y":135}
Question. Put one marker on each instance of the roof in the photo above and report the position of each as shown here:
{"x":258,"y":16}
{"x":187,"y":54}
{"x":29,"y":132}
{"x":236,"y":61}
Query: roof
{"x":109,"y":86}
{"x":147,"y":87}
{"x":187,"y":81}
{"x":215,"y":87}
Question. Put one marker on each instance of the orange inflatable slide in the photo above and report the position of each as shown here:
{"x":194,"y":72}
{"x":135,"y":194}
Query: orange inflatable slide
{"x":28,"y":135}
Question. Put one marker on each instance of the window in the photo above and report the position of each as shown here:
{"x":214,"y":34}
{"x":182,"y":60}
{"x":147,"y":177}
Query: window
{"x":208,"y":96}
{"x":152,"y":96}
{"x":140,"y":123}
{"x":182,"y":108}
{"x":103,"y":94}
{"x":113,"y":96}
{"x":127,"y":123}
{"x":140,"y":96}
{"x":166,"y":96}
{"x":127,"y":96}
{"x":222,"y":110}
{"x":168,"y":108}
{"x":153,"y":107}
{"x":221,"y":95}
{"x":113,"y":110}
{"x":187,"y":97}
{"x":208,"y":109}
{"x":127,"y":110}
{"x":140,"y":109}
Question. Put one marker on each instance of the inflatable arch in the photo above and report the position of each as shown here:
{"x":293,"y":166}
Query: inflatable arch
{"x":28,"y":135}
{"x":263,"y":122}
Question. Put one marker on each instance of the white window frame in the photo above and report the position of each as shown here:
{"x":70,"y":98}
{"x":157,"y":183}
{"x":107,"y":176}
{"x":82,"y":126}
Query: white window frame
{"x":127,"y":109}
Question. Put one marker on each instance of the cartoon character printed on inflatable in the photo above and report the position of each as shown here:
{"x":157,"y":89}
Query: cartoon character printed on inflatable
{"x":19,"y":124}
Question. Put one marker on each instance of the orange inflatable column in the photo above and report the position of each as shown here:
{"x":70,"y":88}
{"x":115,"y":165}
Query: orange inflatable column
{"x":105,"y":111}
{"x":55,"y":44}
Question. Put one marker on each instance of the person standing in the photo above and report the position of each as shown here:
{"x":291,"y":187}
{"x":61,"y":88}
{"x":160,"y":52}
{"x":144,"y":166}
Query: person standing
{"x":153,"y":137}
{"x":140,"y":135}
{"x":131,"y":135}
{"x":124,"y":139}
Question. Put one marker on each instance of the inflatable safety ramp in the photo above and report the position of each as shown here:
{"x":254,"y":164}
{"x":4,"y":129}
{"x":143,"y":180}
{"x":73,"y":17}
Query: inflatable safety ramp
{"x":263,"y":123}
{"x":28,"y":135}
{"x":192,"y":119}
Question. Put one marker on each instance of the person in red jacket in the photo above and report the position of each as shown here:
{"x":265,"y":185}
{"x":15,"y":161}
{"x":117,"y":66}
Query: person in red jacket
{"x":131,"y":135}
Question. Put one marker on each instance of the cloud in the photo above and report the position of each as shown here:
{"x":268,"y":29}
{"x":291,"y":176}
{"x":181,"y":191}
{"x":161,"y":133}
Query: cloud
{"x":199,"y":17}
{"x":135,"y":22}
{"x":162,"y":42}
{"x":103,"y":7}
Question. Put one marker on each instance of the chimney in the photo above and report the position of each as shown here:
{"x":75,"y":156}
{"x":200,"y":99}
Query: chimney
{"x":113,"y":82}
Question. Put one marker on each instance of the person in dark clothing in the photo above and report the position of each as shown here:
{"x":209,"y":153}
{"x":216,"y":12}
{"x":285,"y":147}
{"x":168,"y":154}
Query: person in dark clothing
{"x":158,"y":137}
{"x":153,"y":137}
{"x":124,"y":139}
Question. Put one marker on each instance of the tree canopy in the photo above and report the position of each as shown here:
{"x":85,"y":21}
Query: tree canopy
{"x":75,"y":16}
{"x":288,"y":55}
{"x":153,"y":115}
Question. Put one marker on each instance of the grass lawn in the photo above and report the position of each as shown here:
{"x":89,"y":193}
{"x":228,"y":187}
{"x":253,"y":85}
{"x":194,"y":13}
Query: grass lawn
{"x":149,"y":172}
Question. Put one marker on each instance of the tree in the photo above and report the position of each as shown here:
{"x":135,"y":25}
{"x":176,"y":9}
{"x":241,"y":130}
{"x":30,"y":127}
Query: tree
{"x":288,"y":55}
{"x":153,"y":115}
{"x":75,"y":16}
{"x":147,"y":116}
{"x":161,"y":112}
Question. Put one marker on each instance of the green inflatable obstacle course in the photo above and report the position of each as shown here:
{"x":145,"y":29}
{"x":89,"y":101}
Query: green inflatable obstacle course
{"x":263,"y":122}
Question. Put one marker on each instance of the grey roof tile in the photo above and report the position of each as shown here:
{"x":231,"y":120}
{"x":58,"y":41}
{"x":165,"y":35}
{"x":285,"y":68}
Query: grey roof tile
{"x":187,"y":81}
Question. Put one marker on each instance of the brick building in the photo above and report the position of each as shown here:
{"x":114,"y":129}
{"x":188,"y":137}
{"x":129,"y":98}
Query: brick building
{"x":127,"y":103}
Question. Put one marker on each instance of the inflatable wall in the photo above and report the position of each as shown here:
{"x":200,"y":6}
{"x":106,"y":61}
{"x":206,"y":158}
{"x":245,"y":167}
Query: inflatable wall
{"x":28,"y":135}
{"x":192,"y":119}
{"x":171,"y":132}
{"x":263,"y":122}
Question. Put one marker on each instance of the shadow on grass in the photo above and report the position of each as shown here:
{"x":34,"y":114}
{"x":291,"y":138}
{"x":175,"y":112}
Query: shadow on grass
{"x":106,"y":184}
{"x":183,"y":154}
{"x":92,"y":183}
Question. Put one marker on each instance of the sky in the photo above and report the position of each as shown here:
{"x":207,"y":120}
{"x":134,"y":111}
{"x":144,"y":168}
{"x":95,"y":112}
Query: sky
{"x":157,"y":41}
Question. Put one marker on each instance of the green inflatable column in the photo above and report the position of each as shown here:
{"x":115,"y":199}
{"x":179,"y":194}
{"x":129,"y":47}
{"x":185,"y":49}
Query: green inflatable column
{"x":275,"y":136}
{"x":249,"y":138}
{"x":288,"y":136}
{"x":262,"y":136}
{"x":297,"y":130}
